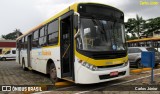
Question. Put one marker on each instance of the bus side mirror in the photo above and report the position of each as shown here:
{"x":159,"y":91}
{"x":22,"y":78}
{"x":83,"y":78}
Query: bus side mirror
{"x":77,"y":24}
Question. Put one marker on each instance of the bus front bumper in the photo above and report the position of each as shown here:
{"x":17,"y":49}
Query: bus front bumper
{"x":86,"y":76}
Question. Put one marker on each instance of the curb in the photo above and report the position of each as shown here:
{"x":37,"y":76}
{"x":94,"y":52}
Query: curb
{"x":140,"y":70}
{"x":65,"y":83}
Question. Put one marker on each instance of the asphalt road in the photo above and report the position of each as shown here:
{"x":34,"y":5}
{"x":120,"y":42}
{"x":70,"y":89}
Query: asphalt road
{"x":11,"y":73}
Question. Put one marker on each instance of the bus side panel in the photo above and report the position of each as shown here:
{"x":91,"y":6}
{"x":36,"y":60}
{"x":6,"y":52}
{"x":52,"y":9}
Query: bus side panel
{"x":35,"y":58}
{"x":17,"y":56}
{"x":77,"y":66}
{"x":24,"y":55}
{"x":21,"y":57}
{"x":41,"y":57}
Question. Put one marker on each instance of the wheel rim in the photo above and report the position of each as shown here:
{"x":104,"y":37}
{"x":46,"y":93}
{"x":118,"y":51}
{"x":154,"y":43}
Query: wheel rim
{"x":53,"y":75}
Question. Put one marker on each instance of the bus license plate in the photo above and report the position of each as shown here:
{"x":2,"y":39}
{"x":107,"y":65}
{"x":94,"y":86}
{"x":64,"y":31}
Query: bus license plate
{"x":115,"y":73}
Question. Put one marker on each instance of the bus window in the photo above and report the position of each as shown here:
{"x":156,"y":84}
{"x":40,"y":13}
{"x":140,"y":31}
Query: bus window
{"x":53,"y":32}
{"x":42,"y":39}
{"x":35,"y":42}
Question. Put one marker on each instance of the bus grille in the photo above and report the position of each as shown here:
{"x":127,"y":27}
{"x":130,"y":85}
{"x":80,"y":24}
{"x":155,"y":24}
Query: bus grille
{"x":109,"y":56}
{"x":109,"y":66}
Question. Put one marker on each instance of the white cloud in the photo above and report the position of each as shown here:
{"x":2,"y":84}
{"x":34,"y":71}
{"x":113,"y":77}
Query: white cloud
{"x":25,"y":14}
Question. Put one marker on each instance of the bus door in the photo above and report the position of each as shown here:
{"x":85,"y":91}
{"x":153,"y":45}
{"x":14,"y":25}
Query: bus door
{"x":66,"y":46}
{"x":29,"y":47}
{"x":19,"y":51}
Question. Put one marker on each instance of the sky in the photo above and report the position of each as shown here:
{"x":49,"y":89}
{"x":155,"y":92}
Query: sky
{"x":26,"y":14}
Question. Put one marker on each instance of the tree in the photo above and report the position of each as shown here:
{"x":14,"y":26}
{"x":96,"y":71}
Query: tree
{"x":129,"y":25}
{"x":135,"y":26}
{"x":151,"y":26}
{"x":139,"y":25}
{"x":13,"y":35}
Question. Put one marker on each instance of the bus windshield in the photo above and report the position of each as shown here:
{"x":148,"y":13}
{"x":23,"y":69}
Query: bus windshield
{"x":101,"y":35}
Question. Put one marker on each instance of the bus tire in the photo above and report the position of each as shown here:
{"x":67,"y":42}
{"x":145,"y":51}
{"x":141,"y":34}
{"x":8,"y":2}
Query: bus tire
{"x":3,"y":59}
{"x":23,"y":65}
{"x":53,"y":73}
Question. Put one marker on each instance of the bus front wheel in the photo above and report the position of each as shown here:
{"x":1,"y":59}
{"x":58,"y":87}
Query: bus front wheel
{"x":53,"y":73}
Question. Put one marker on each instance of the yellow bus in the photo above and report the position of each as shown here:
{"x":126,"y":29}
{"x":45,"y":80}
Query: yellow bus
{"x":145,"y":42}
{"x":84,"y":43}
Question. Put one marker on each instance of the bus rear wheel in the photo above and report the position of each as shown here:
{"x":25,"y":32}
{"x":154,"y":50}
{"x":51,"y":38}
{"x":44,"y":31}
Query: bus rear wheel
{"x":53,"y":73}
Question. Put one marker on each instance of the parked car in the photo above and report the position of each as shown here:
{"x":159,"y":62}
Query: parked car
{"x":9,"y":55}
{"x":134,"y":55}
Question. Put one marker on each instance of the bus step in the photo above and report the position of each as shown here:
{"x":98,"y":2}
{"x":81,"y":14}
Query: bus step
{"x":70,"y":79}
{"x":29,"y":68}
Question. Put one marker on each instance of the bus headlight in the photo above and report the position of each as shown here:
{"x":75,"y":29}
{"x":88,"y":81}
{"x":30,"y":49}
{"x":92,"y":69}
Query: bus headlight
{"x":89,"y":66}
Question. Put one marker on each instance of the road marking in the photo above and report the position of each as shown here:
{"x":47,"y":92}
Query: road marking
{"x":116,"y":84}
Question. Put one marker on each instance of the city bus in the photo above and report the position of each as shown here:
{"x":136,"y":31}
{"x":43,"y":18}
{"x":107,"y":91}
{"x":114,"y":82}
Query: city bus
{"x":85,"y":43}
{"x":145,"y":42}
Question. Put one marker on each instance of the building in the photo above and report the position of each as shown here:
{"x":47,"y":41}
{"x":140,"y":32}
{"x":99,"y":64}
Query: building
{"x":7,"y":44}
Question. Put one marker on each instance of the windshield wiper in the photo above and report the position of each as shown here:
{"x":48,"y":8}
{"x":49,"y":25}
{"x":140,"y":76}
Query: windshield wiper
{"x":101,"y":26}
{"x":96,"y":23}
{"x":114,"y":38}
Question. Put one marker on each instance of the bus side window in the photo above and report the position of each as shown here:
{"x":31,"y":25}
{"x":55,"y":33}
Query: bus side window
{"x":35,"y":43}
{"x":42,"y":39}
{"x":52,"y":32}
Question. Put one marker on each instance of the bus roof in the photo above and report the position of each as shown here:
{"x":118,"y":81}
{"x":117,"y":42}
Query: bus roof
{"x":72,"y":6}
{"x":144,"y":39}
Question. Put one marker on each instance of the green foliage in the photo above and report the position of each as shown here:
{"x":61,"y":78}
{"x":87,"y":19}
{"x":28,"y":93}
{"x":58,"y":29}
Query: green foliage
{"x":13,"y":35}
{"x":137,"y":27}
{"x":152,"y":25}
{"x":131,"y":37}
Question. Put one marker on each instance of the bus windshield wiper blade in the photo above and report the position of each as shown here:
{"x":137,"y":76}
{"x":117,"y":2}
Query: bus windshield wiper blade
{"x":96,"y":23}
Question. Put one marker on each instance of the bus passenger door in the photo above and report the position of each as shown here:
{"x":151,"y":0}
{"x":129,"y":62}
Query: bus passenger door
{"x":19,"y":51}
{"x":29,"y":47}
{"x":67,"y":46}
